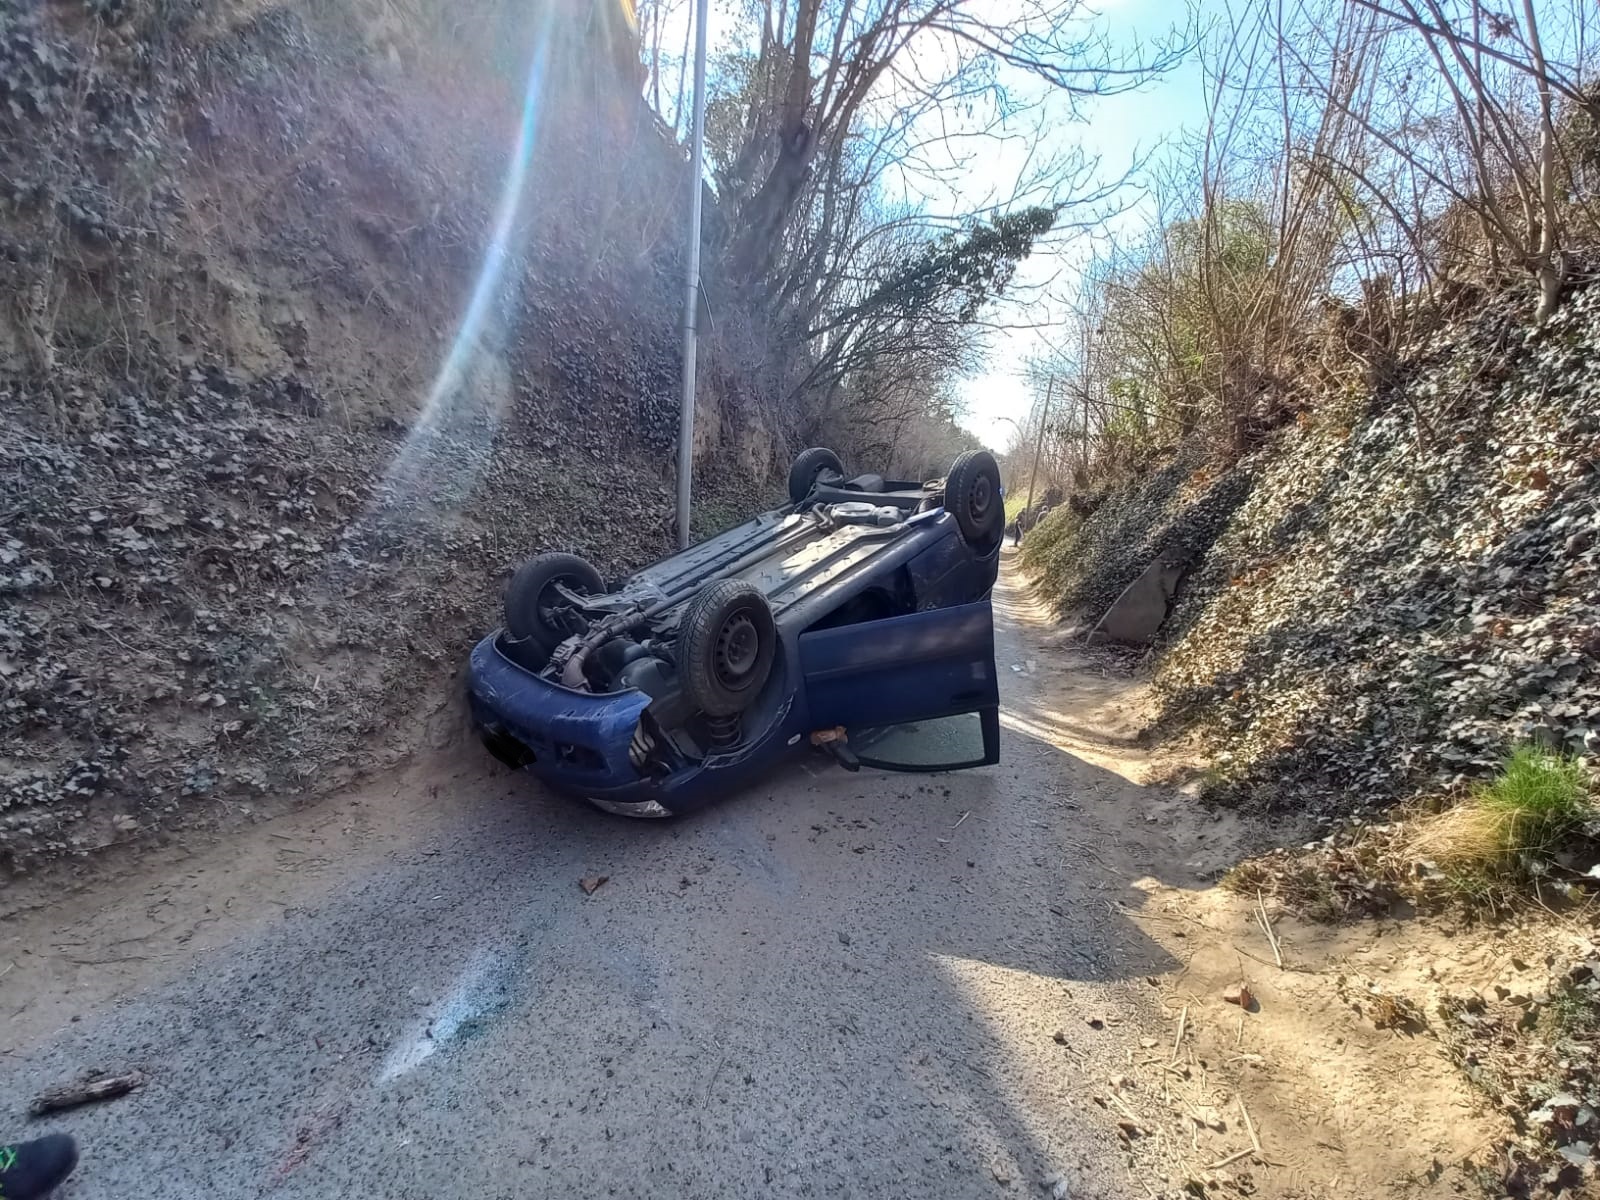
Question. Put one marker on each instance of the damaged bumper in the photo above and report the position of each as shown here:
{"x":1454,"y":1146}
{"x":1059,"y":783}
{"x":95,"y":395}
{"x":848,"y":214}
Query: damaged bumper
{"x":574,"y":740}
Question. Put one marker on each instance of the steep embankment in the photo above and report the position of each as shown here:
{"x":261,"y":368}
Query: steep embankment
{"x":287,"y":385}
{"x":1381,"y":603}
{"x":1391,"y":593}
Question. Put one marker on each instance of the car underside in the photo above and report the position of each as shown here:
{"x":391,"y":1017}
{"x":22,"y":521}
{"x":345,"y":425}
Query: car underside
{"x":707,"y":637}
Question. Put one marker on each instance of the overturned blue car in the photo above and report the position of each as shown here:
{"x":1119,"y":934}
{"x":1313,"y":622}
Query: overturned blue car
{"x":855,"y":620}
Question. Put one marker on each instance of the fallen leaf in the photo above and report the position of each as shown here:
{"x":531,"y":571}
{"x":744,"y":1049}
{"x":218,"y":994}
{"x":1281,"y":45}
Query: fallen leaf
{"x":1239,"y":994}
{"x":591,"y":883}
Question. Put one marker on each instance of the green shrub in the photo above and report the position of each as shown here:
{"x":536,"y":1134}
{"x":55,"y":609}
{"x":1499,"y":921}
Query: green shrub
{"x":1521,"y":817}
{"x":1538,"y":799}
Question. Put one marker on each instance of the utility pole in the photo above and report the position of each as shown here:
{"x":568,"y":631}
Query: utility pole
{"x":691,"y":299}
{"x":1038,"y":448}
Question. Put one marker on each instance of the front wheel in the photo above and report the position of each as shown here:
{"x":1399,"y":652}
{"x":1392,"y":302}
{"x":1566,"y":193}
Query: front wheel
{"x":534,"y":604}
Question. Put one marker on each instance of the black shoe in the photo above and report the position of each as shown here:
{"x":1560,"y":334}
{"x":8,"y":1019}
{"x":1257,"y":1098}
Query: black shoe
{"x":29,"y":1170}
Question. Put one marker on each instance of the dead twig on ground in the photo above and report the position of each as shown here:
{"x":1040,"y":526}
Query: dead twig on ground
{"x":1249,"y":1125}
{"x":721,"y":1062}
{"x":1265,"y":962}
{"x":1126,"y":1111}
{"x":71,"y":1095}
{"x":1266,"y":928}
{"x":1230,"y":1160}
{"x":1177,"y":1042}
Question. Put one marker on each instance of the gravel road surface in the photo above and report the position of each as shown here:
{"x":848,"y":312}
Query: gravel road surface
{"x":833,"y":985}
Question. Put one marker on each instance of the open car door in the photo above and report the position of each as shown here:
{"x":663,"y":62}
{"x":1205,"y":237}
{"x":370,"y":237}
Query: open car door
{"x":913,"y":693}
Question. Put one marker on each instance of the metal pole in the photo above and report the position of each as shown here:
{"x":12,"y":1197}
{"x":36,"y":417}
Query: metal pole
{"x":1039,"y":446}
{"x":691,"y":298}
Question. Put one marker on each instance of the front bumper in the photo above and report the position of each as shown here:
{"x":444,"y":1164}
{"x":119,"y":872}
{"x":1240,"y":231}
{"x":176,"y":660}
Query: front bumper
{"x":577,"y":742}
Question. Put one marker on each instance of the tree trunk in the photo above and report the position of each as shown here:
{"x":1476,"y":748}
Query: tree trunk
{"x":1551,"y":279}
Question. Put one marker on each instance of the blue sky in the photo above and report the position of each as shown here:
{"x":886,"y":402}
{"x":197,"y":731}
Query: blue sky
{"x":1117,"y":130}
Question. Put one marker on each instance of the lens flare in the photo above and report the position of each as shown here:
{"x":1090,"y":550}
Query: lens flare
{"x":450,"y":439}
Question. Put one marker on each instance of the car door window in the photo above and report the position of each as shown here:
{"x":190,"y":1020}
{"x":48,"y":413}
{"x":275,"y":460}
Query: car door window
{"x":941,"y":744}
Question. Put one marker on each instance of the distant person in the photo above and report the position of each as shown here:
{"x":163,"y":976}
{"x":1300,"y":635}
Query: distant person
{"x":1028,"y":519}
{"x":1019,"y":527}
{"x":29,"y":1170}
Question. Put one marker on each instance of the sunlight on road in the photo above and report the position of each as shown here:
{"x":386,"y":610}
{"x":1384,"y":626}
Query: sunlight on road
{"x":1021,"y":1010}
{"x":1054,"y":730}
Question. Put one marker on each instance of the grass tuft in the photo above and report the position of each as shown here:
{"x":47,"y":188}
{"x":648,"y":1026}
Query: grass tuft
{"x":1538,"y":800}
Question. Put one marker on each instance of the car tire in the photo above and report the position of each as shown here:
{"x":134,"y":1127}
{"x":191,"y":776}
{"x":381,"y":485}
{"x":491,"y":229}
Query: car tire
{"x":972,"y":496}
{"x":808,"y":468}
{"x":528,"y":596}
{"x":727,"y":643}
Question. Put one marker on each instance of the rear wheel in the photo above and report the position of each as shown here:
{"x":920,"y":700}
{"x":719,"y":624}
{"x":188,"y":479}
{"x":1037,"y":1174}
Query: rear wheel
{"x":972,"y":496}
{"x":534,"y":601}
{"x":727,"y":643}
{"x":812,"y":465}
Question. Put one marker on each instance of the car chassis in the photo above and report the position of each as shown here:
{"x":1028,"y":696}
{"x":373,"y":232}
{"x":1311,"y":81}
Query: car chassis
{"x":856,"y":619}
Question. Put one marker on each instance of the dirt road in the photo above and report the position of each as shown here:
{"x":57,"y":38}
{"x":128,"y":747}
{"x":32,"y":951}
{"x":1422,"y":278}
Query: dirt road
{"x":835,"y":984}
